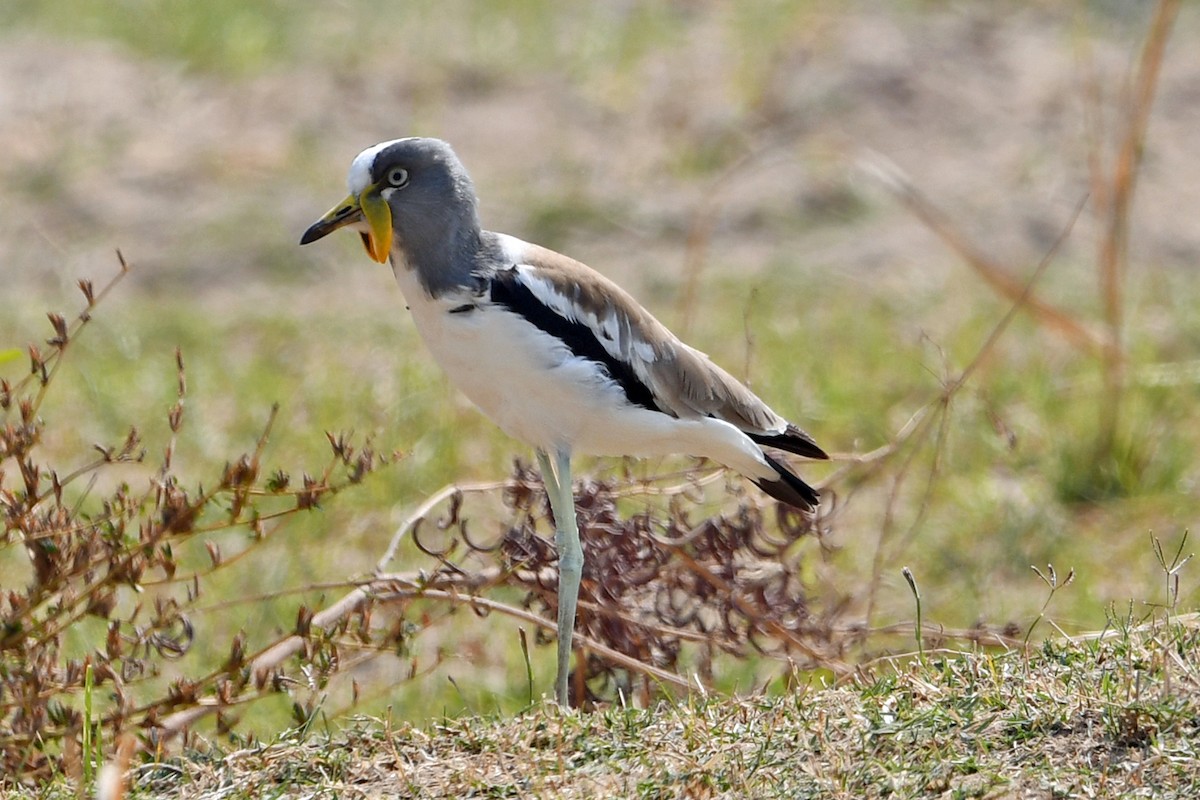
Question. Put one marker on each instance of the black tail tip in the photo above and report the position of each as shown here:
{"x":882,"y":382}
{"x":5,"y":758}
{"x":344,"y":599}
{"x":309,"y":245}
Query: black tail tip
{"x":788,"y":488}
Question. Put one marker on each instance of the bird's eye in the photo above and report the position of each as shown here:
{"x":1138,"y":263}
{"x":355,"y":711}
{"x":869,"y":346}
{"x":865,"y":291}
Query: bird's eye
{"x":397,"y":176}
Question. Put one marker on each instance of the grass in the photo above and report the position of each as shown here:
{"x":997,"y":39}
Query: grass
{"x":1108,"y":715}
{"x":471,"y":40}
{"x":852,"y":354}
{"x":994,"y":511}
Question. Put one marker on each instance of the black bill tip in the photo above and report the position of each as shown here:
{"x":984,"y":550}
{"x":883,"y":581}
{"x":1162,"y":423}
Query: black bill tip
{"x":318,"y":230}
{"x":344,"y":213}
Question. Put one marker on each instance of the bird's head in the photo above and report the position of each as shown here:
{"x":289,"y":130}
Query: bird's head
{"x":412,"y":192}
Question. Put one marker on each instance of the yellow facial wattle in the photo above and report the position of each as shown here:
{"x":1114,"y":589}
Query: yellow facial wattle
{"x":379,"y":219}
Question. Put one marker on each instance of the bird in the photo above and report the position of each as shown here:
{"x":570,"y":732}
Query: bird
{"x":555,"y":353}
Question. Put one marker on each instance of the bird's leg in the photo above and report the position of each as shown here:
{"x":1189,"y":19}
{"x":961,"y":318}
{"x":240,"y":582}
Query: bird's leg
{"x":557,"y":477}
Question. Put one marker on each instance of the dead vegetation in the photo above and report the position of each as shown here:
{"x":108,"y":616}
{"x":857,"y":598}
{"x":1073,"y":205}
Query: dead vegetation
{"x":132,"y":559}
{"x":684,"y":576}
{"x":669,"y":569}
{"x":128,"y":557}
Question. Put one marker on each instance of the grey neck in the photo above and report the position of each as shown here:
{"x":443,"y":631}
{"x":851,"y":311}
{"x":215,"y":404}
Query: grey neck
{"x":444,"y":262}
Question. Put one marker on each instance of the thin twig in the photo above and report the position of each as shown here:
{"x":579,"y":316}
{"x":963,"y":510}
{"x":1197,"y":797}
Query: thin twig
{"x":423,"y":510}
{"x":917,"y":428}
{"x":527,"y":616}
{"x":998,"y":277}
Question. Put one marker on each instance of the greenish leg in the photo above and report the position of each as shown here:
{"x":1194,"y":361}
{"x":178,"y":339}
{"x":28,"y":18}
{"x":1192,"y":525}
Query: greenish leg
{"x":557,"y":478}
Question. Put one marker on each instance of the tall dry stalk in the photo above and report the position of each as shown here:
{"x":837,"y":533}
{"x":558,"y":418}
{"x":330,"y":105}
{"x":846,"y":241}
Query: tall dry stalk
{"x":1113,"y":196}
{"x":1112,"y":189}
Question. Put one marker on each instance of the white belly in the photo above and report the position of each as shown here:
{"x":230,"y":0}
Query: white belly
{"x":524,"y":380}
{"x":531,"y":385}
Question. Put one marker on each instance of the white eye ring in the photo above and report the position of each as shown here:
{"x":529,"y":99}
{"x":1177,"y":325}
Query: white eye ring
{"x":397,"y":176}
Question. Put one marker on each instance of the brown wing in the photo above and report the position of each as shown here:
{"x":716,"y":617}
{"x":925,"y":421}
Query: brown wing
{"x":683,"y":381}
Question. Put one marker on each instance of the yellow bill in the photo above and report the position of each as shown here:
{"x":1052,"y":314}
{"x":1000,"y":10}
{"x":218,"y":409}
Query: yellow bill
{"x":377,"y":239}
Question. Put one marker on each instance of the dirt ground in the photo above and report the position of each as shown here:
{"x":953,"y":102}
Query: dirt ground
{"x":205,"y":183}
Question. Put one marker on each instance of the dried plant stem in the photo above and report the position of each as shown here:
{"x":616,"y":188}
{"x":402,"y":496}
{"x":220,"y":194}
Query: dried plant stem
{"x":892,"y":177}
{"x":1113,"y":251}
{"x":422,"y":511}
{"x":704,"y":221}
{"x":82,"y":319}
{"x":699,"y":240}
{"x":1115,"y":211}
{"x":528,"y":616}
{"x":918,"y":426}
{"x":385,"y":589}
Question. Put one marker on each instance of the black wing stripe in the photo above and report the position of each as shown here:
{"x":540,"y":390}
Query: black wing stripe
{"x":797,"y":442}
{"x":508,"y":291}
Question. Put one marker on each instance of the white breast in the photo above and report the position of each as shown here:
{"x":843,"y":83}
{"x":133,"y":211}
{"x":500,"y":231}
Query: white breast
{"x":531,"y":385}
{"x":525,"y":380}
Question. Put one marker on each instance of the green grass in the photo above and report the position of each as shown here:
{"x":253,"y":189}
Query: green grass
{"x":851,"y":354}
{"x":993,"y":510}
{"x":1108,"y":716}
{"x":469,"y":39}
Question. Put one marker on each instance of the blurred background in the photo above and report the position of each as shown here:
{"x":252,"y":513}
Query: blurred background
{"x":714,"y":158}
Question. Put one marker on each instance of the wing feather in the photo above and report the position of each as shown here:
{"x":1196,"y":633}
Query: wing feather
{"x":683,"y":381}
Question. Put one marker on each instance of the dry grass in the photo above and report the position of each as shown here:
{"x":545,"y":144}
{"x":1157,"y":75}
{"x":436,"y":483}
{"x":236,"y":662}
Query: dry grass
{"x":693,"y":587}
{"x":675,"y":581}
{"x":1115,"y":714}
